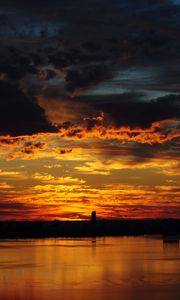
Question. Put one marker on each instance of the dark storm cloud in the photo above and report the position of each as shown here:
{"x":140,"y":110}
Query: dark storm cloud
{"x":18,"y":114}
{"x":16,"y":64}
{"x":130,"y":110}
{"x":143,"y":114}
{"x":46,"y":74}
{"x":94,"y":41}
{"x":98,"y":35}
{"x":87,"y":76}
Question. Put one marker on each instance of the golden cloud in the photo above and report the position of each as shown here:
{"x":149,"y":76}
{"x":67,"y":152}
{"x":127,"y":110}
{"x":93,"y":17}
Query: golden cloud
{"x":57,"y":180}
{"x":156,"y":134}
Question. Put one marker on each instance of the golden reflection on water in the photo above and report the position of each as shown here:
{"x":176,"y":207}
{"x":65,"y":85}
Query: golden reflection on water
{"x":104,"y":268}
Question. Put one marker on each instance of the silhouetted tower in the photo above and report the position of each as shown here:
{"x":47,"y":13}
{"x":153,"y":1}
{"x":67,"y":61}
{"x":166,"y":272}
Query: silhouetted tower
{"x":93,"y":217}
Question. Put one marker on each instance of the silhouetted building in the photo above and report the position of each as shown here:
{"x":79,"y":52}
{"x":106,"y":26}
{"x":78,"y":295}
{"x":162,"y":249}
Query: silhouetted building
{"x":93,"y":217}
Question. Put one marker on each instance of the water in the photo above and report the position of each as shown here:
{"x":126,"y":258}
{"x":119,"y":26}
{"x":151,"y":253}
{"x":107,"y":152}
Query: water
{"x":126,"y":268}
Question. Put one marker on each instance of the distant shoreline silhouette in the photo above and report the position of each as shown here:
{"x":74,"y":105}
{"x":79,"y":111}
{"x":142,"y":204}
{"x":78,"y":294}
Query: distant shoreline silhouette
{"x":94,"y":227}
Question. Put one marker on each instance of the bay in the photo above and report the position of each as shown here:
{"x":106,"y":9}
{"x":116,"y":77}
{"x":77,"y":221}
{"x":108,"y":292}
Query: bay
{"x":127,"y":268}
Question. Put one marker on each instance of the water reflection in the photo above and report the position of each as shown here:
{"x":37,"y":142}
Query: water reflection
{"x":108,"y":268}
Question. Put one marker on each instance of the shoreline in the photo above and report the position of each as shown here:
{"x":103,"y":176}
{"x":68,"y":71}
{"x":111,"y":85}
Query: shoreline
{"x":80,"y":229}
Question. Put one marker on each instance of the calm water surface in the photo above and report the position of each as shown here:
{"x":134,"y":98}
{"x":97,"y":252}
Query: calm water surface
{"x":106,"y":268}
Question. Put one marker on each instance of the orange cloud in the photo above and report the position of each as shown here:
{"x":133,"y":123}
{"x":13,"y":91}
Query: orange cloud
{"x":110,"y":201}
{"x":159,"y":132}
{"x":91,"y":131}
{"x":159,"y":165}
{"x":4,"y":185}
{"x":53,"y":166}
{"x":31,"y":146}
{"x":48,"y":178}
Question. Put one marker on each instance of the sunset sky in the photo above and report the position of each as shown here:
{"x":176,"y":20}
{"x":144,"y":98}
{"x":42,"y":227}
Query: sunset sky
{"x":89,"y":109}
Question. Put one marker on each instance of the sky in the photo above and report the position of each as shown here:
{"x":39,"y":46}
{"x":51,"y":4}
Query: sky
{"x":89,"y":109}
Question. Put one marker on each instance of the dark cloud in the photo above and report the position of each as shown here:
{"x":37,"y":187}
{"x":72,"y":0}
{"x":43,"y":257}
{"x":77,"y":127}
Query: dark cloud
{"x":143,"y":114}
{"x":18,"y":114}
{"x":97,"y":40}
{"x":129,"y":109}
{"x":46,"y":74}
{"x":85,"y":77}
{"x":30,"y":147}
{"x":145,"y":153}
{"x":12,"y":206}
{"x":65,"y":151}
{"x":99,"y":37}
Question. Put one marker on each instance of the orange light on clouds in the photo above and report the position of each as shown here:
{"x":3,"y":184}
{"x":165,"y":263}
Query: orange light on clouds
{"x":68,"y":174}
